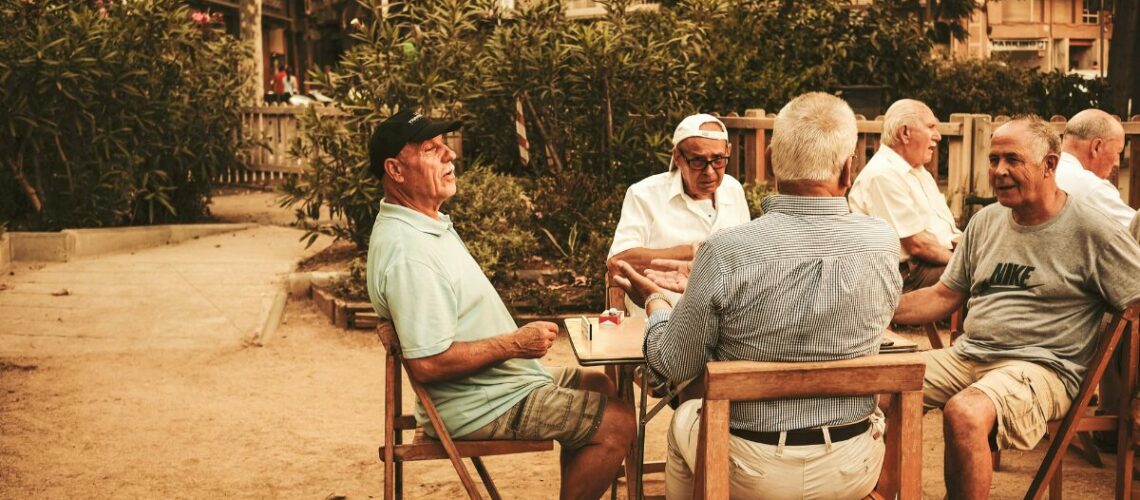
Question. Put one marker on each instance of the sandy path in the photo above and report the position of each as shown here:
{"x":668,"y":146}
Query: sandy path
{"x":298,"y":418}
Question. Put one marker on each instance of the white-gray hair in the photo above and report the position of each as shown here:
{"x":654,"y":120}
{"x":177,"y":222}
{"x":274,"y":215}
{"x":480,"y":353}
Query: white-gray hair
{"x":1092,"y":124}
{"x":812,"y":137}
{"x":903,"y":113}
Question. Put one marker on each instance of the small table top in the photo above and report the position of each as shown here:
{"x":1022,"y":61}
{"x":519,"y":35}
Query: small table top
{"x":622,"y":344}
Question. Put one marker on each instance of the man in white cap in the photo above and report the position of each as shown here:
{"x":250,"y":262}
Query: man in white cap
{"x":667,"y":215}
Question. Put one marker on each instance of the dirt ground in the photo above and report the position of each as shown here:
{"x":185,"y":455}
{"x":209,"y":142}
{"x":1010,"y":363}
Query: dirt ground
{"x":300,"y":417}
{"x":297,"y":418}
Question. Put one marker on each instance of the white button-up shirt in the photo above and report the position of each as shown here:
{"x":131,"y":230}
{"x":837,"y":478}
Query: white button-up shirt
{"x":906,"y":197}
{"x":1085,"y":186}
{"x":658,"y":214}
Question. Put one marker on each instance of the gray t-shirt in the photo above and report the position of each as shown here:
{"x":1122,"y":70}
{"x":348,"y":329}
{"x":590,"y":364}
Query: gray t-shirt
{"x":1135,"y":227}
{"x":1038,"y":293}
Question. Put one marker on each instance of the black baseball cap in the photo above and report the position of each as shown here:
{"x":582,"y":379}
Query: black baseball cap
{"x":400,"y":129}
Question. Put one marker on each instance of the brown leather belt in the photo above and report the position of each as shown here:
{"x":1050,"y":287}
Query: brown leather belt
{"x":805,"y":437}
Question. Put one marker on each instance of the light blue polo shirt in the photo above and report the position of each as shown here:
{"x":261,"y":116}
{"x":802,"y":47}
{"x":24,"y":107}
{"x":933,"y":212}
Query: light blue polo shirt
{"x":421,"y":276}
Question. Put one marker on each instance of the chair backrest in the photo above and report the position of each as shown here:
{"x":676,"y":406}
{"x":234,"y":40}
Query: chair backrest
{"x":1121,"y":328}
{"x":899,"y":375}
{"x":394,"y":416}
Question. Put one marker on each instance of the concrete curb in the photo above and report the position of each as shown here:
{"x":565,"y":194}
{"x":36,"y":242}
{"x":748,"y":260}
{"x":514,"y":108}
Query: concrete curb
{"x":71,"y":244}
{"x":272,"y":319}
{"x":300,"y":284}
{"x":5,"y":252}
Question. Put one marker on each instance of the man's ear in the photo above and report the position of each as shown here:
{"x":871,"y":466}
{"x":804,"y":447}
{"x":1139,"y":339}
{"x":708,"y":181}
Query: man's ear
{"x":1096,"y":147}
{"x":904,"y":133}
{"x":1051,"y":161}
{"x":394,"y":169}
{"x":845,"y":177}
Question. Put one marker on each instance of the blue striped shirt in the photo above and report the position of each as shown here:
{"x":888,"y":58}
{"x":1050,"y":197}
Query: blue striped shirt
{"x":807,"y":281}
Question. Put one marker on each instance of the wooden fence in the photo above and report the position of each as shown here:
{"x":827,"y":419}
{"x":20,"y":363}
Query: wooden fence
{"x":273,"y":129}
{"x":966,"y":138}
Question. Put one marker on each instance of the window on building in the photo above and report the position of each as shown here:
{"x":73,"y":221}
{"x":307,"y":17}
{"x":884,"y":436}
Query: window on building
{"x":1032,"y":11}
{"x":1091,"y":13}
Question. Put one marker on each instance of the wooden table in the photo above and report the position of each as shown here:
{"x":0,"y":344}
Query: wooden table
{"x":621,"y":346}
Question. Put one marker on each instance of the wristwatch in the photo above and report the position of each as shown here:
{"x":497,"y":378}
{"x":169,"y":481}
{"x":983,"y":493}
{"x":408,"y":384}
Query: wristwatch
{"x":657,"y":296}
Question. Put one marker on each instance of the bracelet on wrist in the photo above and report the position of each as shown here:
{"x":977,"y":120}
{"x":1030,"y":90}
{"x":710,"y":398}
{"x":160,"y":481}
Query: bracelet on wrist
{"x":657,"y":296}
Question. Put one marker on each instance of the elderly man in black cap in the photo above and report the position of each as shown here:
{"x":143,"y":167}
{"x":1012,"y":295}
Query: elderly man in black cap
{"x":456,"y":334}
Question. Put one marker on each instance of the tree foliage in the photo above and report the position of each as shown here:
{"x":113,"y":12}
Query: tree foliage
{"x":995,"y":88}
{"x":112,"y":113}
{"x":600,"y":99}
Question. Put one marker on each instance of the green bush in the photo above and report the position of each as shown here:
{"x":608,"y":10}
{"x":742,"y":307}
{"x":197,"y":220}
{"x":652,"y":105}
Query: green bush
{"x":761,"y":54}
{"x":335,"y":148}
{"x":755,"y":194}
{"x":113,"y":113}
{"x":600,"y":99}
{"x":996,"y":88}
{"x":494,"y":216}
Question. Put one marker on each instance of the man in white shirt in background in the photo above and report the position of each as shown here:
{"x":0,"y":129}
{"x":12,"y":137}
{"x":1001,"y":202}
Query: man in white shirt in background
{"x":896,"y":187}
{"x":667,"y":215}
{"x":1090,"y":154}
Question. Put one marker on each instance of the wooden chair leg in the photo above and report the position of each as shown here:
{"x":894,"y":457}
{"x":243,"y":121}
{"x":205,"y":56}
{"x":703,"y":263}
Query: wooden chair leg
{"x":492,"y":491}
{"x":389,"y":479}
{"x":1055,"y":488}
{"x":933,"y":335}
{"x":399,"y":480}
{"x":1088,"y":449}
{"x":1125,"y":440}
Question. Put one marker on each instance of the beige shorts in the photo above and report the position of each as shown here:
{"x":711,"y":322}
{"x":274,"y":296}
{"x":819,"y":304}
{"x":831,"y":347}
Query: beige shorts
{"x":1026,"y":395}
{"x":559,"y":411}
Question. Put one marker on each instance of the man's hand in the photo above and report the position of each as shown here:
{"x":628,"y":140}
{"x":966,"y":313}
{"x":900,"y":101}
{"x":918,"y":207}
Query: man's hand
{"x":670,"y":274}
{"x":534,"y":339}
{"x":636,"y":285}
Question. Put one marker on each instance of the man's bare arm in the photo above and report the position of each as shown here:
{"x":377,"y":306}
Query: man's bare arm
{"x":640,"y":258}
{"x":925,"y":247}
{"x":463,"y":359}
{"x":928,"y":304}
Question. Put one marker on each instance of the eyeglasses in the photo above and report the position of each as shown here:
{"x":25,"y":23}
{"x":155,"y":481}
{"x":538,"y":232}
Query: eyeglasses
{"x":700,"y":163}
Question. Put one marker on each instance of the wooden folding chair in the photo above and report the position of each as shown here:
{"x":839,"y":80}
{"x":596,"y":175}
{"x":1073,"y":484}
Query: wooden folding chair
{"x":394,"y":452}
{"x":1123,"y":334}
{"x":956,"y":330}
{"x":899,"y":375}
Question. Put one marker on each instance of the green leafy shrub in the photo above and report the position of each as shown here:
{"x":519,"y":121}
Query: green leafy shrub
{"x":113,"y":113}
{"x":996,"y":88}
{"x":755,"y":194}
{"x":600,"y":99}
{"x":761,"y":54}
{"x":494,"y":216}
{"x":335,"y":148}
{"x":354,"y":285}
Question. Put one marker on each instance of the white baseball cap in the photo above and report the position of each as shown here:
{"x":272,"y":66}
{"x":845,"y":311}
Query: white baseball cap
{"x":691,"y":127}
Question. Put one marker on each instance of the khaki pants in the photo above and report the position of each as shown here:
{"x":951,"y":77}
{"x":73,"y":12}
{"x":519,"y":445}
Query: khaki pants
{"x":847,"y":469}
{"x":921,"y":275}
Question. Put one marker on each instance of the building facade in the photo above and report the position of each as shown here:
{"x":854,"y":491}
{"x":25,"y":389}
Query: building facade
{"x":1065,"y":35}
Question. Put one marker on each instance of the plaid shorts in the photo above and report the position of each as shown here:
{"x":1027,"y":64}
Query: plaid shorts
{"x":558,"y":411}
